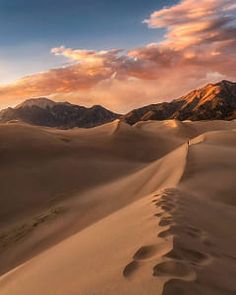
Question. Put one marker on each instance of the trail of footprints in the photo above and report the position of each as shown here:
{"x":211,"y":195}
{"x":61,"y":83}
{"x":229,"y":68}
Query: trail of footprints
{"x":180,"y":262}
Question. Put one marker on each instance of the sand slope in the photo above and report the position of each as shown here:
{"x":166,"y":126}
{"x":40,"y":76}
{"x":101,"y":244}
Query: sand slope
{"x":119,"y":209}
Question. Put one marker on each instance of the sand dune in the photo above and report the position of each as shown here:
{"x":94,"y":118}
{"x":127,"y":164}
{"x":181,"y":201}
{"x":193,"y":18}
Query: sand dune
{"x":147,"y":209}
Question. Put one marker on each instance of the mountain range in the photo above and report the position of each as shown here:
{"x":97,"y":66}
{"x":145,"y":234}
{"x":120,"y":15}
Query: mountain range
{"x":211,"y":102}
{"x":45,"y":112}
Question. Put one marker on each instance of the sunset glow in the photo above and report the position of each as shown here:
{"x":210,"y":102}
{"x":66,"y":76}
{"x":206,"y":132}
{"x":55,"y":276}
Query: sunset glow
{"x":195,"y":49}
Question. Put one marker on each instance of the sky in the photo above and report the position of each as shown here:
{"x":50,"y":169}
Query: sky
{"x":29,"y":29}
{"x":120,"y":54}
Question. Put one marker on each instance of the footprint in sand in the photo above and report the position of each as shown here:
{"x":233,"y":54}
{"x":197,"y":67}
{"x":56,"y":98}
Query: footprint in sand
{"x":163,"y":202}
{"x":165,"y":221}
{"x":189,"y":231}
{"x":142,"y":255}
{"x":167,"y":207}
{"x":165,"y":234}
{"x":180,"y":287}
{"x":145,"y":252}
{"x":189,"y":255}
{"x":172,"y":268}
{"x":150,"y":251}
{"x":130,"y":268}
{"x":159,"y":214}
{"x":158,"y":195}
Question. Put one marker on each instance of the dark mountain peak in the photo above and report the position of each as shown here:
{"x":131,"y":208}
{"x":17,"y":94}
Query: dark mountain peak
{"x":41,"y":102}
{"x":46,"y":112}
{"x":210,"y":90}
{"x":211,"y":102}
{"x":226,"y":83}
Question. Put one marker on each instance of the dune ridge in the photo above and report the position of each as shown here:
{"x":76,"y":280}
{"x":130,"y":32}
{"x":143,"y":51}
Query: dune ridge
{"x":200,"y":243}
{"x":152,"y":182}
{"x":152,"y":230}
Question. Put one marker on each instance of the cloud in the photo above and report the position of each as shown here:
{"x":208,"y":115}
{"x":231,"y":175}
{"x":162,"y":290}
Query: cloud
{"x":199,"y":46}
{"x":200,"y":37}
{"x":91,"y":57}
{"x":195,"y":22}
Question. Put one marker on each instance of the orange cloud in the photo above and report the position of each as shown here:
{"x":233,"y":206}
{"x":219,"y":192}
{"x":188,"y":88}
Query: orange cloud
{"x":194,"y":22}
{"x":87,"y":57}
{"x":199,"y":46}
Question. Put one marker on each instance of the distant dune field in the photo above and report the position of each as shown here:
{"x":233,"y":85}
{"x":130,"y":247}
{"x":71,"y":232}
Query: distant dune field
{"x":118,"y":209}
